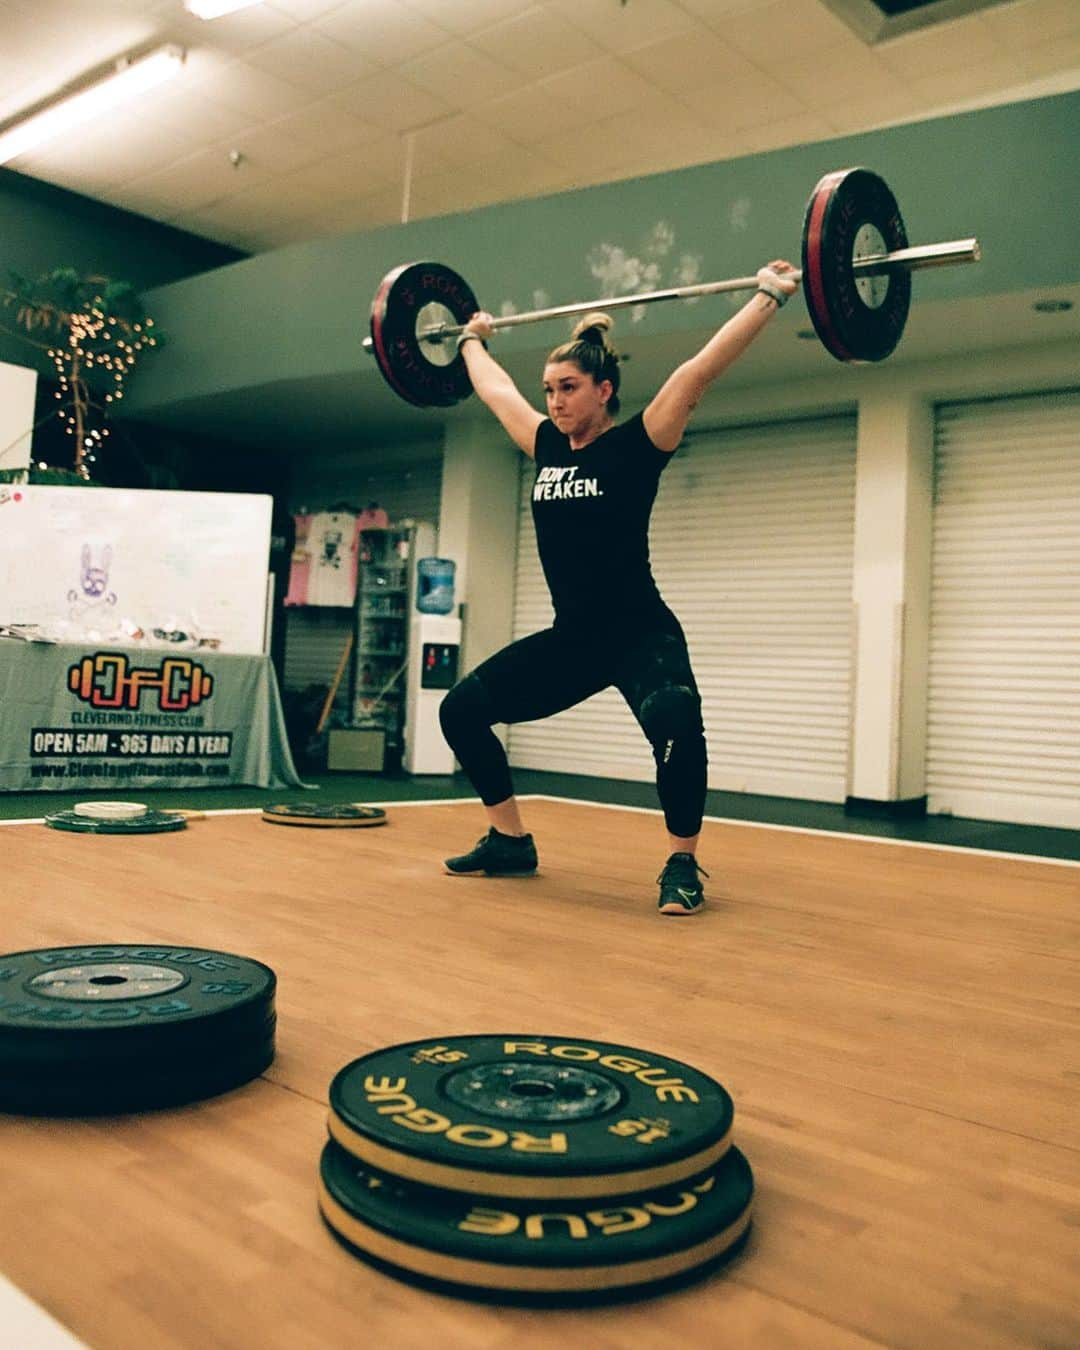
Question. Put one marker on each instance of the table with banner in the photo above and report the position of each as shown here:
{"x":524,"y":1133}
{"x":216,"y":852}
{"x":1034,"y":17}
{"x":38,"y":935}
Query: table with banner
{"x":101,"y":717}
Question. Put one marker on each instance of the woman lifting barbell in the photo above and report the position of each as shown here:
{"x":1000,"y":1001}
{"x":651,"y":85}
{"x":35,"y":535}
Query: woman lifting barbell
{"x":592,"y":496}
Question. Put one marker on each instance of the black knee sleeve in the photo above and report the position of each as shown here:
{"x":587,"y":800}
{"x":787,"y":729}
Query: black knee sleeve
{"x":671,"y":718}
{"x":671,"y":712}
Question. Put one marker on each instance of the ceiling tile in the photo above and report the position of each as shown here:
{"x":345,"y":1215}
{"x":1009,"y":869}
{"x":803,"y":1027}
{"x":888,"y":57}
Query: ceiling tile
{"x":385,"y":31}
{"x":311,"y":61}
{"x":1062,"y":55}
{"x":688,"y":59}
{"x":273,"y":234}
{"x":460,"y":75}
{"x":466,"y":16}
{"x":449,"y":194}
{"x":112,"y":150}
{"x":946,"y":87}
{"x":373,"y":167}
{"x":248,"y":241}
{"x":192,"y":224}
{"x":188,"y":114}
{"x":535,"y":43}
{"x":455,"y":141}
{"x":192,"y":181}
{"x":269,"y":147}
{"x":325,"y":125}
{"x":255,"y":92}
{"x":605,"y":85}
{"x":750,"y":99}
{"x":529,"y":114}
{"x":530,"y":171}
{"x":304,"y":11}
{"x":183,"y":136}
{"x":392,"y":102}
{"x":834,"y":76}
{"x":445,"y":192}
{"x":659,"y":134}
{"x":769,"y":32}
{"x":365,"y":213}
{"x":253,"y":206}
{"x":881,"y":108}
{"x":577,"y":159}
{"x":620,"y":29}
{"x":1026,"y":23}
{"x":947,"y":46}
{"x":201,"y":66}
{"x":657,"y":119}
{"x":232,"y":34}
{"x":717,"y":13}
{"x":785,"y":131}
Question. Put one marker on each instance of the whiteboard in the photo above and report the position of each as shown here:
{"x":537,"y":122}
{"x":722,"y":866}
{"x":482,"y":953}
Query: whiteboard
{"x":138,"y":567}
{"x":18,"y":389}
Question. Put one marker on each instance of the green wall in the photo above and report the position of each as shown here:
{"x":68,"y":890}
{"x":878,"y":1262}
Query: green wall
{"x":43,"y":227}
{"x":1009,"y":175}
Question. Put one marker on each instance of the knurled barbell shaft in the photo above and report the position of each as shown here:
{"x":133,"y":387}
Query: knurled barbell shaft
{"x":949,"y":254}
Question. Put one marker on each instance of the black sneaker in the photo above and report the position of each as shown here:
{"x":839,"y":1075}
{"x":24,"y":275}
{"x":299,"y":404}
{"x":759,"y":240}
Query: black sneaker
{"x":497,"y":855}
{"x":681,"y":892}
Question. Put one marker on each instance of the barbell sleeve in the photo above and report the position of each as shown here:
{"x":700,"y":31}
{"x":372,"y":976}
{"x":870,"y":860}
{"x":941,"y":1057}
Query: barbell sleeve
{"x":949,"y":254}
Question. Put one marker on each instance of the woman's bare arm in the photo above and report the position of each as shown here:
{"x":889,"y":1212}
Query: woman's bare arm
{"x":667,"y":415}
{"x":497,"y":390}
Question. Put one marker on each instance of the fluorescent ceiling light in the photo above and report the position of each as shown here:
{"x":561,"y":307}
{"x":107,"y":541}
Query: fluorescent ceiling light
{"x":130,"y":77}
{"x":214,"y":9}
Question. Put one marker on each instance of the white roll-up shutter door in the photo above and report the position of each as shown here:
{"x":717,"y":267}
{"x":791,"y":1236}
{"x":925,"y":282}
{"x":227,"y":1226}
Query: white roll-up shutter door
{"x":751,"y":541}
{"x":1004,"y":682}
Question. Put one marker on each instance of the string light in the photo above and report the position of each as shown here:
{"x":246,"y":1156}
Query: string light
{"x":95,"y":340}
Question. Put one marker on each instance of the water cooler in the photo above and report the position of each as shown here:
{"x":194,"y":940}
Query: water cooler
{"x":434,"y":655}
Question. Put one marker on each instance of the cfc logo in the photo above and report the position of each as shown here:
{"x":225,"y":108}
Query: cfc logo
{"x":108,"y":680}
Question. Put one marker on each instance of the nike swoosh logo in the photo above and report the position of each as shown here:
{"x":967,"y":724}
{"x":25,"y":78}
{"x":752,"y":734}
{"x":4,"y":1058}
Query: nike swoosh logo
{"x":687,"y":895}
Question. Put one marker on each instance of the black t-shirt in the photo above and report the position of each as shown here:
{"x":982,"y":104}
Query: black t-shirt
{"x":591,"y":510}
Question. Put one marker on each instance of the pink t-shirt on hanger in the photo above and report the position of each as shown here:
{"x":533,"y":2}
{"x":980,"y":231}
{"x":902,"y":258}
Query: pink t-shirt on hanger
{"x":300,"y":566}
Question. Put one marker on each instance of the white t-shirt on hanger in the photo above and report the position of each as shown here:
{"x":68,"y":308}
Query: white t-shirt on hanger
{"x":332,"y":569}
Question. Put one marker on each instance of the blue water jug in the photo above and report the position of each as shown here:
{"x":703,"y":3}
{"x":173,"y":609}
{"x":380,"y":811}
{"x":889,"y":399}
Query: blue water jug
{"x":435,"y":585}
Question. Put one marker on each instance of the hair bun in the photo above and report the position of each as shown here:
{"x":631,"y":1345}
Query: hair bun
{"x":592,"y":327}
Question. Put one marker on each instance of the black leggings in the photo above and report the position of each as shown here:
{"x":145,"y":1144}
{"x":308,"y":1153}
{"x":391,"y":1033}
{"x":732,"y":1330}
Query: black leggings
{"x":553,"y":670}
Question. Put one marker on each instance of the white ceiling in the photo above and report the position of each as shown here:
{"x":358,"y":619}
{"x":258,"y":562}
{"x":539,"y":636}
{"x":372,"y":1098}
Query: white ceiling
{"x":350,"y":114}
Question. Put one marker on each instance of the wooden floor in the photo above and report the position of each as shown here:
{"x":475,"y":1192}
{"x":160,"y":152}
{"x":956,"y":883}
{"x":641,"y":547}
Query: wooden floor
{"x":898,"y":1027}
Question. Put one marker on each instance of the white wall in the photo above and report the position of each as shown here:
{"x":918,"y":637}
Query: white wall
{"x":891,"y":595}
{"x":478,"y":529}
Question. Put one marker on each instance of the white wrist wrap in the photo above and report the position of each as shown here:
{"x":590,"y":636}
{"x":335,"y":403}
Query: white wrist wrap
{"x":772,"y":291}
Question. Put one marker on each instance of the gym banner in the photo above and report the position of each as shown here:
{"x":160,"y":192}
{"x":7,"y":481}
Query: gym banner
{"x":94,"y":718}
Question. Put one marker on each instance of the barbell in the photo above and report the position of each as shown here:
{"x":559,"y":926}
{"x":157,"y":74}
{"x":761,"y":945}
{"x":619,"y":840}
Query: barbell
{"x":856,"y":270}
